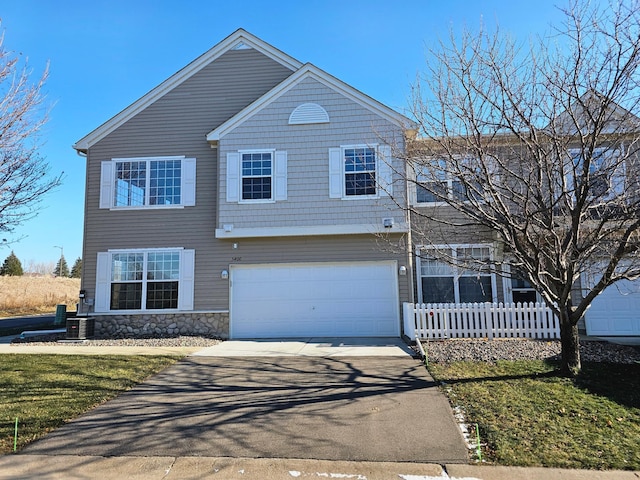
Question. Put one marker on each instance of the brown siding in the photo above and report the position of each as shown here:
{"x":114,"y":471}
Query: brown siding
{"x":176,"y":124}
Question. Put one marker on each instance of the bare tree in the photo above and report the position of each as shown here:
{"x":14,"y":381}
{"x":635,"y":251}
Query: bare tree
{"x":535,"y":147}
{"x":24,"y":175}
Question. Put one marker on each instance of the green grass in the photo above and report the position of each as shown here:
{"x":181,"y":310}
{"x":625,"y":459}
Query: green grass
{"x":529,"y":415}
{"x":44,"y":391}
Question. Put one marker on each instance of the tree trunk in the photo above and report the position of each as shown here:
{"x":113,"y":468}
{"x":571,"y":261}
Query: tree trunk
{"x":570,"y":342}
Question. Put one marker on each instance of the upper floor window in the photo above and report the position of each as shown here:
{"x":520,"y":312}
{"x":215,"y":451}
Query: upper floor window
{"x":257,"y":176}
{"x":607,"y":177}
{"x":148,"y":182}
{"x":436,"y":182}
{"x":360,"y":171}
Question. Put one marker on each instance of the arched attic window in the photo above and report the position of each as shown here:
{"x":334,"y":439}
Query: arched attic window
{"x":308,"y":113}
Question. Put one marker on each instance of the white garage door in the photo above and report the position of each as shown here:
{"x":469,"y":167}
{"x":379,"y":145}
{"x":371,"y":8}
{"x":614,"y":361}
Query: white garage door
{"x":616,"y":311}
{"x":314,"y":300}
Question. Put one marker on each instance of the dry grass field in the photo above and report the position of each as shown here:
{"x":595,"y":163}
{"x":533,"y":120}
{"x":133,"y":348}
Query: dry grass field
{"x":36,"y":294}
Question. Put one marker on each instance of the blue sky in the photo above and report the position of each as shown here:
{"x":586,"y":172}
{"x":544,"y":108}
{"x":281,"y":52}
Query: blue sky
{"x":104,"y":55}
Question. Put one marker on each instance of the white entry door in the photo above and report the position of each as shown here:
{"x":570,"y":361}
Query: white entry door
{"x":314,"y":300}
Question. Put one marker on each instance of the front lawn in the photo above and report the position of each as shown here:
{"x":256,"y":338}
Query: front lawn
{"x":528,"y":415}
{"x":44,"y":391}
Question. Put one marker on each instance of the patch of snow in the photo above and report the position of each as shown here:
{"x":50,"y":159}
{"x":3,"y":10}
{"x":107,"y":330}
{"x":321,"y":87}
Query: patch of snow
{"x":294,"y":473}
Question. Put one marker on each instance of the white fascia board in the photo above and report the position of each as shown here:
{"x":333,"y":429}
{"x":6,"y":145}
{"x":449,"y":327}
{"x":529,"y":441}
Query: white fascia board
{"x":261,"y":232}
{"x":239,"y":36}
{"x":310,"y":71}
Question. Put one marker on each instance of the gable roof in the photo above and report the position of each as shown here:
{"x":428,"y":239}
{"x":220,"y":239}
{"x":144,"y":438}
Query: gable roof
{"x":310,"y":71}
{"x":237,"y":40}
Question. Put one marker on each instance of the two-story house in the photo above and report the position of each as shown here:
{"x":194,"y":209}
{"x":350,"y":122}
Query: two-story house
{"x":248,"y":195}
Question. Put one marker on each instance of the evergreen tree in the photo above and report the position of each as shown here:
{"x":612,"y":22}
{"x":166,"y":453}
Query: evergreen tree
{"x":62,"y":269}
{"x":11,"y":266}
{"x":76,"y":270}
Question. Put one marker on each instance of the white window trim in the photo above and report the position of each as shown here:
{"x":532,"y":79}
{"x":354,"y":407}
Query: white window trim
{"x":185,"y":280}
{"x":456,"y":269}
{"x":187,"y":183}
{"x":383,"y":172}
{"x":278,"y":176}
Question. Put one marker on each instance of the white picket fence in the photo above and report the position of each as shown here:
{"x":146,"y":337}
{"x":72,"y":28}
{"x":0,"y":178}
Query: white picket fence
{"x":480,"y":320}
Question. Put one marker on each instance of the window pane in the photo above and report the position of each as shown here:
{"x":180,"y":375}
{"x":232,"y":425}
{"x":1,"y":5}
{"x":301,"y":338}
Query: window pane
{"x":126,"y":296}
{"x":127,"y":267}
{"x":163,"y":266}
{"x":162,"y":295}
{"x":475,"y":289}
{"x":130,"y":183}
{"x":359,"y":160}
{"x":256,"y":188}
{"x":431,"y":192}
{"x":164,"y":182}
{"x":360,"y":183}
{"x":437,"y":290}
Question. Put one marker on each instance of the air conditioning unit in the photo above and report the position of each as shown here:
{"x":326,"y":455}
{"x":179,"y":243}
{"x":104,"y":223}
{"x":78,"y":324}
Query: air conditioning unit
{"x":80,"y":328}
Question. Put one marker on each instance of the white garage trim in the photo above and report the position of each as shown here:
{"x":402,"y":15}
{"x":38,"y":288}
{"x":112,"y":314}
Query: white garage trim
{"x":293,"y":300}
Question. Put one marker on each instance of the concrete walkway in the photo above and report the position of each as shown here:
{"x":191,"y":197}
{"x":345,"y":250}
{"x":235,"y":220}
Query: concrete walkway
{"x":305,"y":347}
{"x":310,"y":347}
{"x":74,"y":467}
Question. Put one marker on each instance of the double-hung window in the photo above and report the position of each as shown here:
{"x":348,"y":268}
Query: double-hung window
{"x":156,"y":279}
{"x":607,"y":176}
{"x":257,"y":175}
{"x":436,"y":183}
{"x":154,"y":182}
{"x":360,"y":171}
{"x":456,"y":275}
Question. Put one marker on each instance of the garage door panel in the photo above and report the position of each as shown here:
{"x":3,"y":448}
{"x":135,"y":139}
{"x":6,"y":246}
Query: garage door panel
{"x":616,"y":311}
{"x":296,"y":300}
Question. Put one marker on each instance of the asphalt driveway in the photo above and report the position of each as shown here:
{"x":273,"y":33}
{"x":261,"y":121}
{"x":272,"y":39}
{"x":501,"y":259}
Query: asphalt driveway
{"x":348,"y":408}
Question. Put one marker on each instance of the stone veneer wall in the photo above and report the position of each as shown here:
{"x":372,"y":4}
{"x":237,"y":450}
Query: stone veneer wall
{"x":162,"y":325}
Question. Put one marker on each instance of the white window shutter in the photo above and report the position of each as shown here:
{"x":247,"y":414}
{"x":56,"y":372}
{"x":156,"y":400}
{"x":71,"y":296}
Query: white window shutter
{"x":336,"y":173}
{"x":233,"y":176}
{"x":280,"y":191}
{"x":385,"y":171}
{"x":188,"y":182}
{"x":103,"y":283}
{"x":187,"y":275}
{"x":106,"y":184}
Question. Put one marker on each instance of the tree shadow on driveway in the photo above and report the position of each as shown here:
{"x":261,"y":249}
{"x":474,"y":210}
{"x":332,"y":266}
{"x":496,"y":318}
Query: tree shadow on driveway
{"x":356,"y":408}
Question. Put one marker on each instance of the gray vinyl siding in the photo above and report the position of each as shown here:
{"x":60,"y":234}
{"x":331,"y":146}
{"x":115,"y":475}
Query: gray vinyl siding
{"x":307,"y":147}
{"x":177,"y":124}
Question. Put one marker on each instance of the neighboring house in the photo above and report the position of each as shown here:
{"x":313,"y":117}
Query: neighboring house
{"x":246,"y":196}
{"x":442,"y":275}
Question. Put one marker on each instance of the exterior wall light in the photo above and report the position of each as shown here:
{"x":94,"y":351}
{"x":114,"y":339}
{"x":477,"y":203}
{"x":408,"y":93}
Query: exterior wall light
{"x":403,"y":270}
{"x":224,"y":274}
